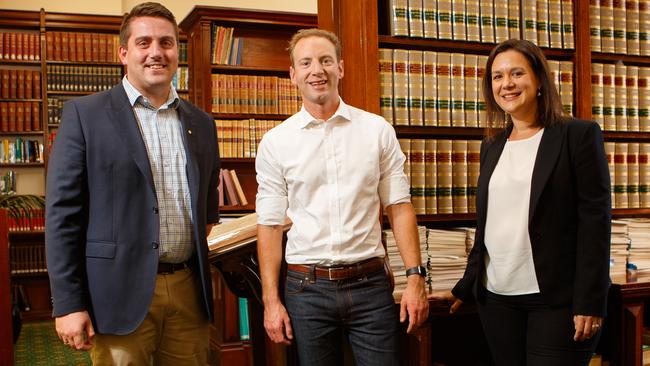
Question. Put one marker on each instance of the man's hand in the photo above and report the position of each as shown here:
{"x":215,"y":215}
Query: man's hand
{"x":414,"y":303}
{"x":586,"y":326}
{"x":277,"y":323}
{"x":448,"y":296}
{"x":75,"y":330}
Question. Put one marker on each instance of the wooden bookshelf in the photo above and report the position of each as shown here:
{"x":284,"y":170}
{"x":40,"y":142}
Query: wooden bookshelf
{"x":363,"y":29}
{"x":265,"y":39}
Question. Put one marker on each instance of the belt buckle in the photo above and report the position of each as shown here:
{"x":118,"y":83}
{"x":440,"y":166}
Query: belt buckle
{"x":329,"y":272}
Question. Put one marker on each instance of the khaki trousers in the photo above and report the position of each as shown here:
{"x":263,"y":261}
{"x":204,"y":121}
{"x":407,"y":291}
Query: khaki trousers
{"x":173,"y":333}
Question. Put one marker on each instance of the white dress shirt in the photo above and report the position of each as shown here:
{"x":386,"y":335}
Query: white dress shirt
{"x":329,"y":177}
{"x":509,"y":265}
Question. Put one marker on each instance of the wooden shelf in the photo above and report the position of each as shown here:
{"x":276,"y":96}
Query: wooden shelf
{"x":443,"y":45}
{"x":623,"y":136}
{"x":248,"y":208}
{"x":251,"y":70}
{"x":20,"y":62}
{"x":83,"y":63}
{"x":20,"y":100}
{"x":79,"y":93}
{"x":237,"y":160}
{"x":446,"y":217}
{"x":619,"y":213}
{"x":249,"y":115}
{"x":474,"y":133}
{"x":627,"y":59}
{"x":53,"y":125}
{"x":28,"y":133}
{"x":21,"y":165}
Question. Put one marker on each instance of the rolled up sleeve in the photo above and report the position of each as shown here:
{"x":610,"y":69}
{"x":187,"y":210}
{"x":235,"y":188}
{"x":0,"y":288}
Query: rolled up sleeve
{"x":394,"y":185}
{"x":271,"y":202}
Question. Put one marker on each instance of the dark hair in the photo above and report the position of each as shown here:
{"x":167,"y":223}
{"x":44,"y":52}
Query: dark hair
{"x":149,"y":9}
{"x":314,"y":32}
{"x":549,"y":104}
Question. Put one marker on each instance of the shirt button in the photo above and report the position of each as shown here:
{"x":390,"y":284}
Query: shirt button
{"x":154,"y":244}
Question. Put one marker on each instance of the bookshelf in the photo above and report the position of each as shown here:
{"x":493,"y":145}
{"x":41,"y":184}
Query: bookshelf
{"x":364,"y":28}
{"x":263,"y":39}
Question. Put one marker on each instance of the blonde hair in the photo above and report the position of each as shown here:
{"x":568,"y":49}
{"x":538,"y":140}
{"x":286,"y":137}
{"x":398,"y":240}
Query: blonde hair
{"x":314,"y":32}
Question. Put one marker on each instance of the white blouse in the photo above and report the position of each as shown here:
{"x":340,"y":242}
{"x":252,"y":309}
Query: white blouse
{"x":509,"y":263}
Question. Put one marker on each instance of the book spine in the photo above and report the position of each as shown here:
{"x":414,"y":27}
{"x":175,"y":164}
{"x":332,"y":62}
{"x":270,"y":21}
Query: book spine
{"x":386,"y":83}
{"x":416,"y":22}
{"x":501,"y":21}
{"x":632,"y":88}
{"x":566,"y":86}
{"x":418,"y":176}
{"x":400,"y":87}
{"x":473,"y":170}
{"x":644,"y":27}
{"x":430,"y":89}
{"x":609,"y":97}
{"x":415,"y":88}
{"x":632,"y":27}
{"x":620,"y":175}
{"x":620,"y":26}
{"x":529,"y":10}
{"x":458,"y":20}
{"x":443,"y":75}
{"x":543,"y":39}
{"x":459,"y":176}
{"x":644,"y":175}
{"x":487,"y":21}
{"x":398,"y":17}
{"x":644,"y":99}
{"x":568,"y":35}
{"x":471,"y":91}
{"x":445,"y":20}
{"x":555,"y":23}
{"x":514,"y":15}
{"x":430,"y":174}
{"x":633,"y":175}
{"x":430,"y":17}
{"x":444,"y":180}
{"x":620,"y":110}
{"x":597,"y":94}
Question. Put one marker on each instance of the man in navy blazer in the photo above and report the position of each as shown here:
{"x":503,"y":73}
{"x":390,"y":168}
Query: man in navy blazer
{"x":131,"y":192}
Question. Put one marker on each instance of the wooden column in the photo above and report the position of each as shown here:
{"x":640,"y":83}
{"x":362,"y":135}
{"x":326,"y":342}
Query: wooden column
{"x":355,"y":23}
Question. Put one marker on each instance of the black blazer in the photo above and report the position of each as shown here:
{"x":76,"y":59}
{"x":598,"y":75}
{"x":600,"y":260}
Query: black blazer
{"x":102,"y":224}
{"x":568,"y":222}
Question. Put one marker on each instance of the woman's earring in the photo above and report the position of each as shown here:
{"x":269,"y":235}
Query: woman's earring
{"x":539,"y":92}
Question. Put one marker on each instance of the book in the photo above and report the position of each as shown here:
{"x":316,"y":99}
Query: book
{"x":244,"y":326}
{"x":594,"y":25}
{"x":620,"y":176}
{"x":231,"y":191}
{"x":418,"y":176}
{"x":398,"y":13}
{"x":568,"y":37}
{"x":415,"y":86}
{"x":240,"y":192}
{"x":607,"y":26}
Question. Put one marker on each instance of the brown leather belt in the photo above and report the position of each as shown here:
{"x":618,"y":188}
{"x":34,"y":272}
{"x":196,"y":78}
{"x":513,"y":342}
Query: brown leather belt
{"x":341,"y":272}
{"x":169,"y":268}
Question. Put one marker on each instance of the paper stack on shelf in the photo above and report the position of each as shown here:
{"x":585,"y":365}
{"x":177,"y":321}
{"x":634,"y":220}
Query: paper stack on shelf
{"x":447,"y":257}
{"x":395,"y":259}
{"x":619,"y":248}
{"x":639,"y":233}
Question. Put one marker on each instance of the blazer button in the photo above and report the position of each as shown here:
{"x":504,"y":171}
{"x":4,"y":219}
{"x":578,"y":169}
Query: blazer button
{"x":155,"y":210}
{"x":154,"y":244}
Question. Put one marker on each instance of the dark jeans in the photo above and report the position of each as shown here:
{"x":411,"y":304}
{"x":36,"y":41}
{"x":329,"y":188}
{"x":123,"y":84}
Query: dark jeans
{"x":522,"y":330}
{"x":360,"y":309}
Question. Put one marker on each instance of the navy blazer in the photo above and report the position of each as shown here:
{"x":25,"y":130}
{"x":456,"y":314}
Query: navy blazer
{"x":568,"y":222}
{"x":102,"y":224}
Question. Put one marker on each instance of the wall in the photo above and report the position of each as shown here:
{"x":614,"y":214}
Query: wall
{"x":180,"y":8}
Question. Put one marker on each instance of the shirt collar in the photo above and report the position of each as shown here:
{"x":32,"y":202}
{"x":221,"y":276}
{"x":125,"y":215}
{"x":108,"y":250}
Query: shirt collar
{"x":136,"y":97}
{"x":306,"y":119}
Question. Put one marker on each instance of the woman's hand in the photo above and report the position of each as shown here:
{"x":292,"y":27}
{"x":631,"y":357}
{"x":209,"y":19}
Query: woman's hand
{"x":586,"y":326}
{"x":448,"y":296}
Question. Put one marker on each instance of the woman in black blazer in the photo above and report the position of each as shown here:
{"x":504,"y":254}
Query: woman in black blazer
{"x":539,"y":268}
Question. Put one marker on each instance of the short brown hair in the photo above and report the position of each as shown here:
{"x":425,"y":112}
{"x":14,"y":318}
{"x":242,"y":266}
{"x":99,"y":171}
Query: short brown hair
{"x":314,"y":32}
{"x":549,"y":104}
{"x":148,"y":9}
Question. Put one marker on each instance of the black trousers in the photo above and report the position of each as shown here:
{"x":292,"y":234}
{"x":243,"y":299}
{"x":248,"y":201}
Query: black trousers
{"x":523,"y":331}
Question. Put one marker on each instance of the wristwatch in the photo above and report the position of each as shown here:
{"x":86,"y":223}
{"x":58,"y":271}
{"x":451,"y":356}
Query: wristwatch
{"x":417,"y":270}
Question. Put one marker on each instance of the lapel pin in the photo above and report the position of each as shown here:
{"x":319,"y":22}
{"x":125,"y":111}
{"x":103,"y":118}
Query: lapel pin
{"x":189,"y":131}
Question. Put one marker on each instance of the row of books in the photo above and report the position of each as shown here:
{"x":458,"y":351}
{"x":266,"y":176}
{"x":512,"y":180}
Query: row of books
{"x":225,"y":49}
{"x":27,"y":258}
{"x":620,"y":26}
{"x":443,"y":174}
{"x":27,"y":220}
{"x":181,"y":79}
{"x":254,"y":94}
{"x":629,"y":171}
{"x":20,"y":150}
{"x":240,"y":138}
{"x":54,"y":109}
{"x":230,"y":190}
{"x":19,"y":46}
{"x":548,"y":23}
{"x":444,"y":252}
{"x":182,"y":52}
{"x":444,"y":89}
{"x":8,"y":182}
{"x":82,"y":47}
{"x":20,"y":84}
{"x":82,"y":78}
{"x":620,"y":99}
{"x":20,"y":116}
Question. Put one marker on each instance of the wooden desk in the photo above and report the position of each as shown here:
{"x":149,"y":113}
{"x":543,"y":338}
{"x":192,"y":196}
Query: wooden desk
{"x":624,"y":325}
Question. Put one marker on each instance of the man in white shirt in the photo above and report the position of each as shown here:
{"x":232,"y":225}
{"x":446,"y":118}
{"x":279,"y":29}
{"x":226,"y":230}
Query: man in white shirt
{"x":328,"y":168}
